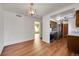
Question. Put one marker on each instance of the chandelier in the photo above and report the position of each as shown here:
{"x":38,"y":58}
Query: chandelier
{"x":32,"y":10}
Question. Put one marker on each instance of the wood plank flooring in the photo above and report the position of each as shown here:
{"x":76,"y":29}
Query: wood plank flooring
{"x":38,"y":48}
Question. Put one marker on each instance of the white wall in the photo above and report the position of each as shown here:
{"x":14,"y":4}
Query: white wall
{"x":46,"y":29}
{"x":72,"y":29}
{"x":1,"y":30}
{"x":17,"y":29}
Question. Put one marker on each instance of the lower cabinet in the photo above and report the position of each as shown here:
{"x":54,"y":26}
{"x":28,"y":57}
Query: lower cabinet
{"x":73,"y":43}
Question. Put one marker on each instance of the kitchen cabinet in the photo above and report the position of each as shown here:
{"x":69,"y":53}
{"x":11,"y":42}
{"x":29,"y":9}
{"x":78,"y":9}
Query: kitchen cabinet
{"x":77,"y":18}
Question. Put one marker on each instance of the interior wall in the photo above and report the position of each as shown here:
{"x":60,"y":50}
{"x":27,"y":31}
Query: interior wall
{"x":72,"y":29}
{"x":46,"y":29}
{"x":1,"y":29}
{"x":17,"y":29}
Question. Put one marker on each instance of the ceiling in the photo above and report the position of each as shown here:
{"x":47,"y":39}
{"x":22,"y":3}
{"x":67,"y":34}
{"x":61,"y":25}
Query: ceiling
{"x":41,"y":8}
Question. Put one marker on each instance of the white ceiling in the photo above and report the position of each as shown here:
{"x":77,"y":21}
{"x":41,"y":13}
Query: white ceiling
{"x":41,"y":8}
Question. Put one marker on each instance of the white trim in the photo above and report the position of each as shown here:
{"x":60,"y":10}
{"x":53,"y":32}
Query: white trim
{"x":1,"y":50}
{"x":46,"y":41}
{"x":17,"y":42}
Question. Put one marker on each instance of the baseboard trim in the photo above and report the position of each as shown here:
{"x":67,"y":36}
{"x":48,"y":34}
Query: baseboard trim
{"x":46,"y":41}
{"x":18,"y":42}
{"x":1,"y":51}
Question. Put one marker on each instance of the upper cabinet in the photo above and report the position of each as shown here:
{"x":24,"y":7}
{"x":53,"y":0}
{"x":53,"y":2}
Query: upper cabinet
{"x":77,"y":18}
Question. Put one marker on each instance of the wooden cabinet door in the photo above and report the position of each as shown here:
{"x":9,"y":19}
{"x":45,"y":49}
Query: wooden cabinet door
{"x":77,"y":18}
{"x":65,"y":29}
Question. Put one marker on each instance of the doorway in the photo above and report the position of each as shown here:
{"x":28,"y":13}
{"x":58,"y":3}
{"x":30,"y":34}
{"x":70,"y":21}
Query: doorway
{"x":37,"y":30}
{"x":65,"y":29}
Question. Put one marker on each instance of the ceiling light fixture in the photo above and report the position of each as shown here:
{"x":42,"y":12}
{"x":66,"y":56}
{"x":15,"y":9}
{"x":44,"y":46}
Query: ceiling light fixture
{"x":32,"y":10}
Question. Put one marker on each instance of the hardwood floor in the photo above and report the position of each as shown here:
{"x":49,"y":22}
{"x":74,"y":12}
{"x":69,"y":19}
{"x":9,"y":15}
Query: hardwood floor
{"x":38,"y":48}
